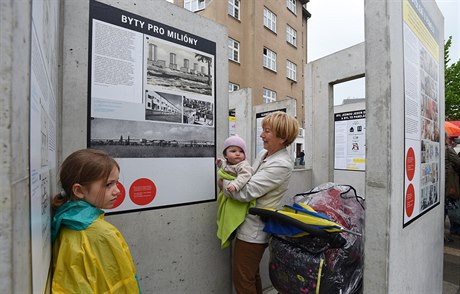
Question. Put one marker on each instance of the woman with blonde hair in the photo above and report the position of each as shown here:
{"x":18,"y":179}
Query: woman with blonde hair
{"x":269,"y":183}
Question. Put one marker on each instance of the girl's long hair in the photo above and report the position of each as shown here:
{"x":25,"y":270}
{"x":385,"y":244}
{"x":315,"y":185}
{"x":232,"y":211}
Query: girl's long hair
{"x":82,"y":167}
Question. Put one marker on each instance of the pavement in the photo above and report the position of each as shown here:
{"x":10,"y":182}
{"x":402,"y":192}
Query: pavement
{"x":451,"y":284}
{"x":451,"y":271}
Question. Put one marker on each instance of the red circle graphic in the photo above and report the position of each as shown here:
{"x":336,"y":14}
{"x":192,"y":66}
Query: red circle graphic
{"x":142,"y":191}
{"x":410,"y":163}
{"x":410,"y":200}
{"x":121,"y":196}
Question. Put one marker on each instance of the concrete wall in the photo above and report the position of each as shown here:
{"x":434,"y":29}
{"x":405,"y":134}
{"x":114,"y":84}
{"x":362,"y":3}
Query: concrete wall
{"x":175,"y":249}
{"x":397,"y":259}
{"x":320,"y":76}
{"x":16,"y":69}
{"x":241,"y":101}
{"x":15,"y":270}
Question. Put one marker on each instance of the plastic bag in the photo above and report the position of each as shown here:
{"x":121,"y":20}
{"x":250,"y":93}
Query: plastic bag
{"x":300,"y":265}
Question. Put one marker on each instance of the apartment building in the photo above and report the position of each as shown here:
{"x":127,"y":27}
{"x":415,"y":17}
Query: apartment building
{"x":267,"y":45}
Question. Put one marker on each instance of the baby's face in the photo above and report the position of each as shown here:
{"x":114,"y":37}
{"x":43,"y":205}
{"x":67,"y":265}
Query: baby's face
{"x":234,"y":155}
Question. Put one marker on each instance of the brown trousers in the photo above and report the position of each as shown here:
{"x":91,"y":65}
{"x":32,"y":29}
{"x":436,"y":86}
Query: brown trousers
{"x":245,"y":267}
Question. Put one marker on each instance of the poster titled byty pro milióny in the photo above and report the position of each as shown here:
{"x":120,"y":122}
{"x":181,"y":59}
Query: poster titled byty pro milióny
{"x":152,"y":107}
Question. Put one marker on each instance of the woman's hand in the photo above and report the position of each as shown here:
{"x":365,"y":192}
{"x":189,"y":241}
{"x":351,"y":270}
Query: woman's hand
{"x":220,"y":183}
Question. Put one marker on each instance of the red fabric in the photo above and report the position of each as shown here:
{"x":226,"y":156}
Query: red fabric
{"x":455,"y":122}
{"x":452,"y":128}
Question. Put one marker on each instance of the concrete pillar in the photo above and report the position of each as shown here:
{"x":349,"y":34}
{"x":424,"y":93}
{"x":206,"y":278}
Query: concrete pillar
{"x":398,"y":258}
{"x":320,"y":76}
{"x":15,"y":24}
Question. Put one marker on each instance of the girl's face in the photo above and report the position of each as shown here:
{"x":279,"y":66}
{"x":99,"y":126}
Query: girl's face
{"x":103,"y":194}
{"x":271,"y":142}
{"x":234,"y":154}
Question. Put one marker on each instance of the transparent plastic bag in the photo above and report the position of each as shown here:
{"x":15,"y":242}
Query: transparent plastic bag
{"x":296,"y":263}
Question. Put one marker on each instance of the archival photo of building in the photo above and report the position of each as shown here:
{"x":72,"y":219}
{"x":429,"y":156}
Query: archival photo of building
{"x":161,"y":106}
{"x":174,"y":67}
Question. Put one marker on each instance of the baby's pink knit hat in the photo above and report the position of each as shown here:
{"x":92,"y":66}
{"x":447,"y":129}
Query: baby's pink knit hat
{"x":234,"y":141}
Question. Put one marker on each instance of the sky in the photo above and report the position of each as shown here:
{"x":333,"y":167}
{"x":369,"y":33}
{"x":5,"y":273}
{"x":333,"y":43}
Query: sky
{"x":339,"y":24}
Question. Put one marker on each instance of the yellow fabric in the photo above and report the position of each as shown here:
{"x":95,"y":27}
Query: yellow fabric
{"x":95,"y":260}
{"x":320,"y":270}
{"x":308,"y":219}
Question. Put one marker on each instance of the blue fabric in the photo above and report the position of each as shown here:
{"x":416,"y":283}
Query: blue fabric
{"x":75,"y":215}
{"x":274,"y":227}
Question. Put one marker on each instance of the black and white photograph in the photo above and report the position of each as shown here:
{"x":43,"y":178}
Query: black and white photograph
{"x":160,"y":106}
{"x":198,"y":112}
{"x":137,"y":139}
{"x":176,"y":68}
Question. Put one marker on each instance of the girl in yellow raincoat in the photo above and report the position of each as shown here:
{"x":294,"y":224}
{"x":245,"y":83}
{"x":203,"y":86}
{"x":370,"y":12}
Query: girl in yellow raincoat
{"x":89,"y":254}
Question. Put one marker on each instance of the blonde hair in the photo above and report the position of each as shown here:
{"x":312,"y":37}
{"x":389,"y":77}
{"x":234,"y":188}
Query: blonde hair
{"x":83,"y":167}
{"x":284,"y":125}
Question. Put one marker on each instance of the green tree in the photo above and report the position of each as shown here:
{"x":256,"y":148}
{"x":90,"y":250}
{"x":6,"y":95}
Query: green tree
{"x":208,"y":60}
{"x":452,"y":84}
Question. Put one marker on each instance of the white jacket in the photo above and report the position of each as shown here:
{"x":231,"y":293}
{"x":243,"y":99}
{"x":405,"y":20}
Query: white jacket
{"x":268,"y":185}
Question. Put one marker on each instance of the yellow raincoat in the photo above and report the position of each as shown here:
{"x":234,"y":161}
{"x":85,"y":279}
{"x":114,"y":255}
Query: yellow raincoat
{"x":90,"y":256}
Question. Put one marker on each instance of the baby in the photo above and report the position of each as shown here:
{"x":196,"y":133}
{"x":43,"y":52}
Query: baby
{"x":235,"y":162}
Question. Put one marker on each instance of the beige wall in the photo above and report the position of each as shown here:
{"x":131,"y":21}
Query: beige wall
{"x":253,"y":37}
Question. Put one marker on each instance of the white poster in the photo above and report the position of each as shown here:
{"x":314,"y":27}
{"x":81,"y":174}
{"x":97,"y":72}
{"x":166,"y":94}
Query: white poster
{"x":43,"y":88}
{"x":350,"y":140}
{"x":259,"y":117}
{"x":421,"y":112}
{"x":152,"y":105}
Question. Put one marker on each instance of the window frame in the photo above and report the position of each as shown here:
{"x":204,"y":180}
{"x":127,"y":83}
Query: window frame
{"x":291,"y":35}
{"x":270,"y":19}
{"x":292,"y":6}
{"x":190,"y":4}
{"x":233,"y":49}
{"x":232,"y":87}
{"x":271,"y":97}
{"x":291,"y":70}
{"x":234,"y":7}
{"x":269,"y":60}
{"x":295,"y":104}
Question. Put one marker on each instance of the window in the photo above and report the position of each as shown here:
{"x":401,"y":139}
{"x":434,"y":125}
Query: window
{"x":233,"y":87}
{"x":269,"y":20}
{"x":295,"y":107}
{"x":269,"y":96}
{"x":291,"y":36}
{"x":194,"y":5}
{"x":291,"y":5}
{"x":269,"y":59}
{"x":291,"y":70}
{"x":234,"y":8}
{"x":233,"y":50}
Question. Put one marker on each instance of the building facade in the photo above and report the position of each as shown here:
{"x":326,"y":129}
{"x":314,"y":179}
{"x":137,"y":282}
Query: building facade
{"x":267,"y":46}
